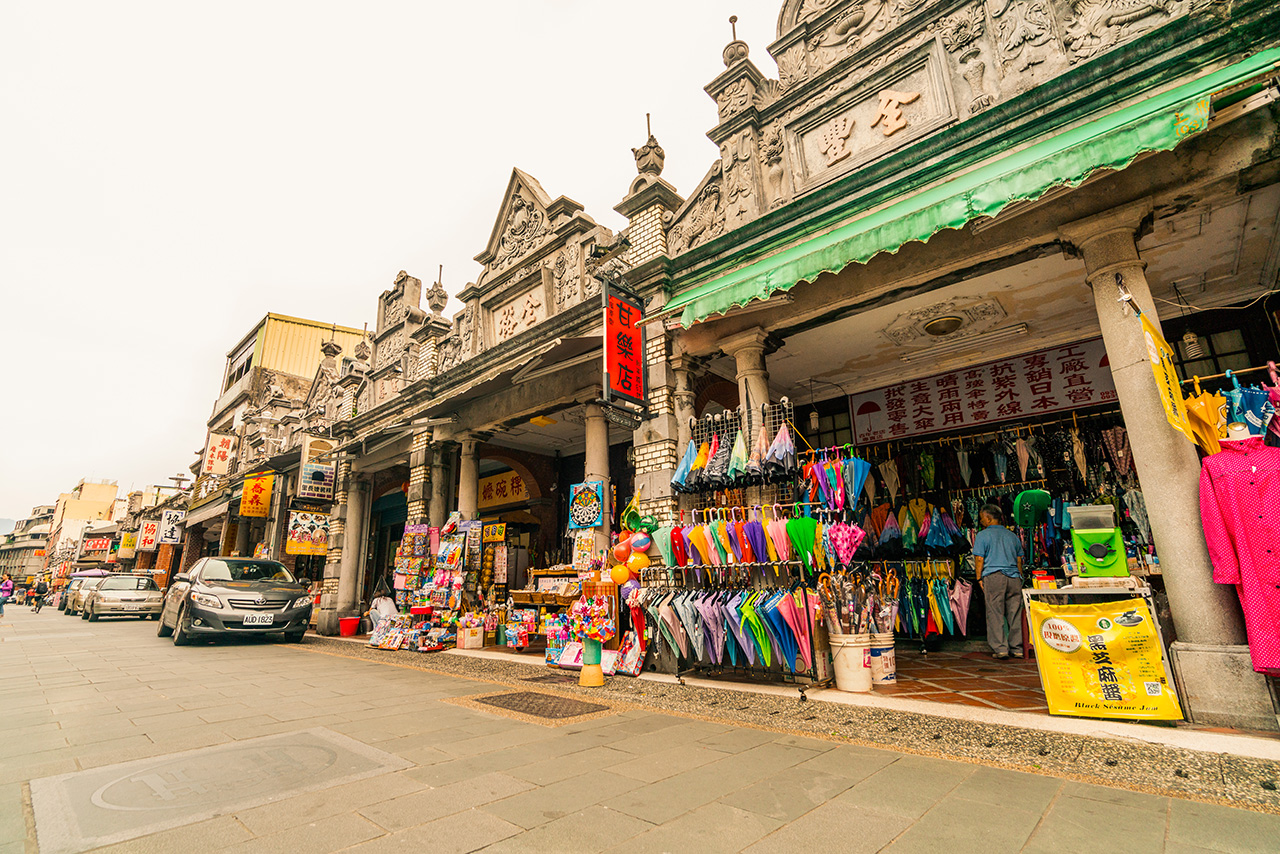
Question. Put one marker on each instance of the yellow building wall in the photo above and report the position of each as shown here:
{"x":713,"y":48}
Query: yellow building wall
{"x":292,"y":345}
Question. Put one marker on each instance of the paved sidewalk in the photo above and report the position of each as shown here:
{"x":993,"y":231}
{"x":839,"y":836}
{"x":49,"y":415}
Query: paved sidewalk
{"x":281,"y":749}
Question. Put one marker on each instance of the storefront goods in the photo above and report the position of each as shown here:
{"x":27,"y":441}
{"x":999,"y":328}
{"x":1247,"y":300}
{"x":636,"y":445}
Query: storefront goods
{"x":1239,"y":494}
{"x":1102,"y":661}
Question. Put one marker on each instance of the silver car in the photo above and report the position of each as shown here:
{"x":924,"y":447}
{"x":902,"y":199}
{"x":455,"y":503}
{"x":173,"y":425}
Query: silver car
{"x":235,"y":596}
{"x":123,"y":596}
{"x":76,"y":594}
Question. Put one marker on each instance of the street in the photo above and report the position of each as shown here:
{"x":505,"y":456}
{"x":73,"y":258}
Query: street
{"x":116,"y":740}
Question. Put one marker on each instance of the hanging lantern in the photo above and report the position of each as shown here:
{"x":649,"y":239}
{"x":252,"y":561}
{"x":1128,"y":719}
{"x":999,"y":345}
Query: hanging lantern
{"x":1191,"y":346}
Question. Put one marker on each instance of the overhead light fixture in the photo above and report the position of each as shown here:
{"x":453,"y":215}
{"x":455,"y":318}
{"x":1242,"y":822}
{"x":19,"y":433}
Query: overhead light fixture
{"x":542,"y":421}
{"x":968,"y":342}
{"x":940,"y":326}
{"x":813,"y":411}
{"x":1191,"y":346}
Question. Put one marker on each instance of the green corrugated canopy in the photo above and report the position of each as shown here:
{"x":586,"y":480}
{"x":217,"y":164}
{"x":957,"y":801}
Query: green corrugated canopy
{"x":1158,"y":123}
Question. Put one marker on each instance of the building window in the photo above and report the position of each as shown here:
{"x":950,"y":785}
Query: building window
{"x":1222,"y":351}
{"x":834,"y":427}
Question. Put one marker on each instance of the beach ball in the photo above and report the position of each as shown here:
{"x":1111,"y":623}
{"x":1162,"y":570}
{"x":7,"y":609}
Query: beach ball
{"x":620,"y":574}
{"x":637,"y":562}
{"x":641,"y":542}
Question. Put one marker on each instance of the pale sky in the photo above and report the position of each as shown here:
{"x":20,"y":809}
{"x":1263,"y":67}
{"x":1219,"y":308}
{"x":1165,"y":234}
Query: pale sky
{"x":174,"y":171}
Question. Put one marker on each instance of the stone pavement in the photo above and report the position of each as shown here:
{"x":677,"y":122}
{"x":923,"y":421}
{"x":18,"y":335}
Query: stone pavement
{"x":281,"y":749}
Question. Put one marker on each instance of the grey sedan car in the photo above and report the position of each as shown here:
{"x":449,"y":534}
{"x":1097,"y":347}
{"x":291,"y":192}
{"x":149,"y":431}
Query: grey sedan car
{"x":235,"y":596}
{"x":123,"y":596}
{"x":76,"y":594}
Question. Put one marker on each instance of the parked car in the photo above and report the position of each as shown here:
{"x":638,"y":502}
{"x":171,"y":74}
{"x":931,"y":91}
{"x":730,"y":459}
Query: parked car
{"x":68,"y":592}
{"x":235,"y":596}
{"x":123,"y":596}
{"x":75,"y":599}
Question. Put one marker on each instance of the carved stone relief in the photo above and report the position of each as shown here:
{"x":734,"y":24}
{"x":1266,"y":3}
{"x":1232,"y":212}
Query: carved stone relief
{"x":735,"y":98}
{"x":702,"y":221}
{"x":1023,"y":31}
{"x":772,"y":148}
{"x":525,"y":228}
{"x":962,"y":28}
{"x":519,"y":314}
{"x":859,"y":25}
{"x":975,"y":69}
{"x":389,"y":349}
{"x":467,"y":329}
{"x":976,"y":314}
{"x":791,"y":66}
{"x":1100,"y":25}
{"x":568,"y":276}
{"x":738,"y":162}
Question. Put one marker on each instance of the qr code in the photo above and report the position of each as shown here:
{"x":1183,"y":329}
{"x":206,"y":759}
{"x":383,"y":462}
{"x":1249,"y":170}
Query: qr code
{"x":1153,"y":689}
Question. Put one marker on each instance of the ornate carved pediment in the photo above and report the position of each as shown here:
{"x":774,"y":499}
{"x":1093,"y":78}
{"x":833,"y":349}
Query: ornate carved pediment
{"x":523,"y":224}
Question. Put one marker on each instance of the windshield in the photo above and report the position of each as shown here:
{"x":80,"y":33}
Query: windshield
{"x":90,"y":583}
{"x":128,"y":583}
{"x":248,"y":570}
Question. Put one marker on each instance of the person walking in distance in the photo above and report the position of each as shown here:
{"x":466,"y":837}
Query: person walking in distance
{"x":6,"y":590}
{"x":42,"y":590}
{"x":997,"y":555}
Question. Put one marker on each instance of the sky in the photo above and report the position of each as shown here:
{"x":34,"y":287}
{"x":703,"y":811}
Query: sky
{"x":174,"y":171}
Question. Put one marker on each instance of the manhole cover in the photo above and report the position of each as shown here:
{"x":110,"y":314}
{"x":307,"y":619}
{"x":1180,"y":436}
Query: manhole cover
{"x":551,"y":678}
{"x":541,"y":705}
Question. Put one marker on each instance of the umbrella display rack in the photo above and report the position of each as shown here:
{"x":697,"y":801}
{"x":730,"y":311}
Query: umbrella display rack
{"x":727,"y":424}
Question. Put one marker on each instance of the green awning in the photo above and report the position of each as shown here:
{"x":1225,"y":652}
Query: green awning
{"x":1158,"y":123}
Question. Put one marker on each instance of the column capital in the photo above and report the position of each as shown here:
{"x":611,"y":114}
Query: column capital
{"x":752,"y":339}
{"x":1108,"y":241}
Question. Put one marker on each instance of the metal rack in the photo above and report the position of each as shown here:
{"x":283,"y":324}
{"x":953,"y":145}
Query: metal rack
{"x":773,"y":416}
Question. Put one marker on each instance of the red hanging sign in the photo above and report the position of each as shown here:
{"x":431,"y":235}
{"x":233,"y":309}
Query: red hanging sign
{"x":624,"y":350}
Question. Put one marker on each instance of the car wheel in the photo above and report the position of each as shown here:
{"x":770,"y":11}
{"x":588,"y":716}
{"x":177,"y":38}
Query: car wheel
{"x":162,"y":631}
{"x":93,"y":617}
{"x":294,"y":637}
{"x":84,"y":613}
{"x":70,"y":612}
{"x":180,"y":637}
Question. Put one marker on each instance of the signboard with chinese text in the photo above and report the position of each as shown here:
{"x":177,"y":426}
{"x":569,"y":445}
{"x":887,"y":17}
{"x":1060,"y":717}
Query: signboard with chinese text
{"x":624,"y":350}
{"x":1056,"y":380}
{"x":129,"y":540}
{"x":316,"y":477}
{"x":97,"y":544}
{"x":1102,"y":661}
{"x":171,"y":526}
{"x":148,"y":535}
{"x":218,"y":454}
{"x":1161,"y":356}
{"x":308,"y":534}
{"x":255,"y":501}
{"x":499,"y":489}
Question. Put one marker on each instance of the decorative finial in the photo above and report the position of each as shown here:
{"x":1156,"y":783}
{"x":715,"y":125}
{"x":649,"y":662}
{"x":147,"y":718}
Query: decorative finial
{"x":437,"y":296}
{"x":650,"y":156}
{"x":737,"y":50}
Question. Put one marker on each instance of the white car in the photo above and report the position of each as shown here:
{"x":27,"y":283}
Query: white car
{"x":123,"y":596}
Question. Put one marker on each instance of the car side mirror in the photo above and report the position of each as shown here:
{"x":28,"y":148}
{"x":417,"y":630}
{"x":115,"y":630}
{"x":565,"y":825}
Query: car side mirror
{"x":181,"y":576}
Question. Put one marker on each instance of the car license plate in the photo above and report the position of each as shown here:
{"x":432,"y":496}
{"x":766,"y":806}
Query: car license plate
{"x":259,"y":619}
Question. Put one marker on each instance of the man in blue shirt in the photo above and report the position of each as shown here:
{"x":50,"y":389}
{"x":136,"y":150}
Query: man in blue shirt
{"x":998,"y":558}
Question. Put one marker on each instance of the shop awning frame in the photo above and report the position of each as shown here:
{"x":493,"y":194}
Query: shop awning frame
{"x":1157,"y":123}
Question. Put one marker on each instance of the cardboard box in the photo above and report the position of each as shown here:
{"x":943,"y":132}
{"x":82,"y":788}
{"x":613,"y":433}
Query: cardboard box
{"x":471,"y":638}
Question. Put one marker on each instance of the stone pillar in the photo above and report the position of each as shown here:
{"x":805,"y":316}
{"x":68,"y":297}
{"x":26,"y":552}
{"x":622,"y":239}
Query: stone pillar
{"x":1206,"y":615}
{"x":438,"y":509}
{"x":747,"y":349}
{"x":597,"y":463}
{"x":683,"y":399}
{"x":469,"y":480}
{"x":244,"y":546}
{"x":353,"y":537}
{"x":419,"y":477}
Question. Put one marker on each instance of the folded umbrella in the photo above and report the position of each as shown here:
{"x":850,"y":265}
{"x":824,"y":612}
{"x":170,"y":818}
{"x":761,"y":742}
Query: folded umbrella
{"x":738,"y":460}
{"x":802,"y":533}
{"x":889,"y":471}
{"x":686,"y":465}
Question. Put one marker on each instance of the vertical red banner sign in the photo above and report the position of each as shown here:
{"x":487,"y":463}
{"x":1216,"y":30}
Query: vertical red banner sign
{"x":624,"y":349}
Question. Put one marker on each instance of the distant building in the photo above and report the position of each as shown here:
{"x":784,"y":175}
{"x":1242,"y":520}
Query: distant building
{"x":90,"y":501}
{"x":23,"y":549}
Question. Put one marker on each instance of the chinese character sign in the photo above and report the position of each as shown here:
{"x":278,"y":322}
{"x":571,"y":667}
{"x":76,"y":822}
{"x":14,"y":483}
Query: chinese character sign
{"x":1102,"y":661}
{"x":148,"y":535}
{"x":315,"y":480}
{"x":624,"y":350}
{"x":218,"y":454}
{"x":501,"y":489}
{"x":1161,"y":356}
{"x":256,"y":499}
{"x":1070,"y":377}
{"x":308,"y":534}
{"x":171,"y":526}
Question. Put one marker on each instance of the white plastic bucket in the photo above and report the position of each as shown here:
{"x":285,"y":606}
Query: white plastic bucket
{"x":851,"y":655}
{"x":884,"y":661}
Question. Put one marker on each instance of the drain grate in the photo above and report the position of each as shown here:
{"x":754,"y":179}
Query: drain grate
{"x":541,"y":705}
{"x":552,"y":679}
